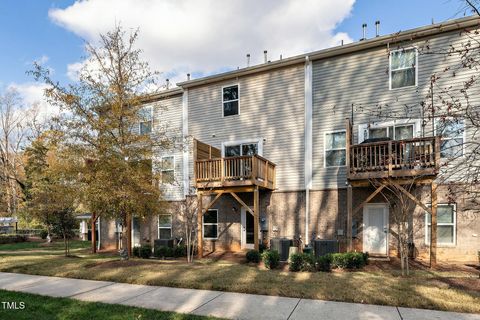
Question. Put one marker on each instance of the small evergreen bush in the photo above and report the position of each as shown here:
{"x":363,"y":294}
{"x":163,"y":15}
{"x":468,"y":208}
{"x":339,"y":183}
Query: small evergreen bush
{"x":253,"y":256}
{"x":349,"y":260}
{"x":296,"y":262}
{"x":145,"y":251}
{"x":324,"y":263}
{"x":271,"y":259}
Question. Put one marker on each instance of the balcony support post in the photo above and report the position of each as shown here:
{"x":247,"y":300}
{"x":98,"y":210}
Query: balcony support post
{"x":433,"y":228}
{"x":256,"y":220}
{"x":200,"y":225}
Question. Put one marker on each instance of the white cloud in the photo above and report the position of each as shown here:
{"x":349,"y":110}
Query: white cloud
{"x":32,"y":93}
{"x":205,"y":36}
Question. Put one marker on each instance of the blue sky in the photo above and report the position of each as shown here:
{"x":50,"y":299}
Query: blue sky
{"x":30,"y":33}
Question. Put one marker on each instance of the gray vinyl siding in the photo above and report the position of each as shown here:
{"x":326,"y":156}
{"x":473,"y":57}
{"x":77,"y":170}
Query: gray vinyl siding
{"x":272,"y":108}
{"x":167,"y":122}
{"x":362,"y":79}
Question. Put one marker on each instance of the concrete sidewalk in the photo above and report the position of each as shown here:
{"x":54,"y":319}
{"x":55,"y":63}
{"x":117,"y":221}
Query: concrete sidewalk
{"x":214,"y":303}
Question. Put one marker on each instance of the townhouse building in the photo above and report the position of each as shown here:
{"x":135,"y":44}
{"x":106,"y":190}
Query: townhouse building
{"x":304,"y":147}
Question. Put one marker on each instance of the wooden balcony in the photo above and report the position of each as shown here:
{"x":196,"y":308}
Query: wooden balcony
{"x":410,"y":158}
{"x":235,"y":172}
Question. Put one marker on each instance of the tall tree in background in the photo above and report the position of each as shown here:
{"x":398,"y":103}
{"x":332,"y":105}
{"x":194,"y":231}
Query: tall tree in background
{"x":102,"y":115}
{"x":18,"y":124}
{"x":51,"y":192}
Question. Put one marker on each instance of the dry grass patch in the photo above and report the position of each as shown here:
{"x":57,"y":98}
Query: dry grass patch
{"x":442,"y":290}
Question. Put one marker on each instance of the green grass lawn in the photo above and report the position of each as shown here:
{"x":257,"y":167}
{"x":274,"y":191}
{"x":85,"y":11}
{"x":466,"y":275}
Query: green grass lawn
{"x":40,"y":307}
{"x":454,"y":290}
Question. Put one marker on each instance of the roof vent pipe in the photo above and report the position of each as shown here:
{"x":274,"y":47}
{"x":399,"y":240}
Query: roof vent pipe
{"x":265,"y":56}
{"x":168,"y":83}
{"x":364,"y":30}
{"x":281,"y":57}
{"x":248,"y":60}
{"x":377,"y":28}
{"x":188,"y":76}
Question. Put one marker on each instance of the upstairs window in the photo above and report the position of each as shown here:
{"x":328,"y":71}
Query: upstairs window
{"x":146,"y":120}
{"x":403,"y":68}
{"x":168,"y":169}
{"x":230,"y":100}
{"x":452,"y":132}
{"x":165,"y":226}
{"x":335,"y":149}
{"x":446,"y":225}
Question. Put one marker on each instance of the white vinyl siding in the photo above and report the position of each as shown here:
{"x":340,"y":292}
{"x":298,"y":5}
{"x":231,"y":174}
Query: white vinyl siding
{"x":446,"y":225}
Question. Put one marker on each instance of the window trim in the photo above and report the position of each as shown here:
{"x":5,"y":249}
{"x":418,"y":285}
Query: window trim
{"x":393,"y":123}
{"x":258,"y":141}
{"x":238,"y":88}
{"x":454,"y":224}
{"x":325,"y":148}
{"x":464,"y":136}
{"x":150,"y":108}
{"x":390,"y":68}
{"x":171,"y":225}
{"x":209,"y":224}
{"x":162,"y":170}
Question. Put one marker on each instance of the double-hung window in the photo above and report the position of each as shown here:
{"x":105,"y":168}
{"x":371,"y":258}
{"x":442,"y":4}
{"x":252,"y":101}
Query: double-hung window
{"x":210,"y":224}
{"x":146,"y":120}
{"x":446,"y":225}
{"x":335,"y":148}
{"x":403,"y":68}
{"x":230,"y":100}
{"x":165,"y":226}
{"x":168,"y":169}
{"x":452,"y":132}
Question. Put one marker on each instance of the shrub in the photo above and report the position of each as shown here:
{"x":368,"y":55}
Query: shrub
{"x":44,"y":234}
{"x":365,"y":257}
{"x":145,"y":251}
{"x":164,"y":252}
{"x":349,"y":260}
{"x":12,"y":238}
{"x":296,"y":262}
{"x":180,"y":251}
{"x":302,"y":262}
{"x":271,"y":259}
{"x":253,"y":256}
{"x":136,"y":252}
{"x":324,"y":263}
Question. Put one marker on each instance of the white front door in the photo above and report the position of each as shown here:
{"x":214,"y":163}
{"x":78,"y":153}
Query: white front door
{"x":375,"y":229}
{"x":247,"y":229}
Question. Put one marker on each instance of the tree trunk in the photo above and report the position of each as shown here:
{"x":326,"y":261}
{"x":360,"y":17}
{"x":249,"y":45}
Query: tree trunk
{"x":129,"y":235}
{"x":65,"y":243}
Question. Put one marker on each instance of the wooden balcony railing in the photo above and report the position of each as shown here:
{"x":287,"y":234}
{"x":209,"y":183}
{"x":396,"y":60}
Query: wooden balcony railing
{"x":235,"y":171}
{"x":397,"y":158}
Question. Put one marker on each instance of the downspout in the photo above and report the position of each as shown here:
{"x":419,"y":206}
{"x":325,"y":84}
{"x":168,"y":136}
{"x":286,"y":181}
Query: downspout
{"x":186,"y":145}
{"x":308,"y":143}
{"x":99,"y":232}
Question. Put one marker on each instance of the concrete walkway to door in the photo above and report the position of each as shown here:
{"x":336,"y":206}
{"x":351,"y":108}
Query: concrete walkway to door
{"x":214,"y":303}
